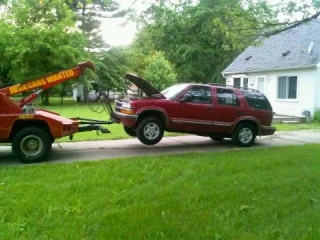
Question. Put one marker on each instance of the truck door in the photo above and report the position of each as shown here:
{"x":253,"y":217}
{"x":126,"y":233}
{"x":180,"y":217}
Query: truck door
{"x":194,"y":110}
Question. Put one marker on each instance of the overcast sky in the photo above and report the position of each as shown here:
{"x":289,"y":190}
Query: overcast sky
{"x":114,"y":31}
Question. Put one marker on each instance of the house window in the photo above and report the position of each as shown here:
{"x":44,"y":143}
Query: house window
{"x":237,"y":82}
{"x":287,"y":87}
{"x":245,"y":82}
{"x":241,"y":82}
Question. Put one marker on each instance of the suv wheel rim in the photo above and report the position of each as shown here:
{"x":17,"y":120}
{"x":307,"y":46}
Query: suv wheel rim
{"x":245,"y":135}
{"x":151,"y":131}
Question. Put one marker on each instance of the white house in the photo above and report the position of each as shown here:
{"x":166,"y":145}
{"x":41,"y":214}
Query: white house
{"x":77,"y":92}
{"x":285,"y":67}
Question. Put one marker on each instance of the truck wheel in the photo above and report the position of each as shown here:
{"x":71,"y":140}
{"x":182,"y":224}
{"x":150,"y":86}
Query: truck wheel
{"x":150,"y":131}
{"x":31,"y":144}
{"x":129,"y":131}
{"x":244,"y":135}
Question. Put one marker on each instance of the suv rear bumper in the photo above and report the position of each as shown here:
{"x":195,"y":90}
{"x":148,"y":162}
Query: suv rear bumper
{"x":267,"y":130}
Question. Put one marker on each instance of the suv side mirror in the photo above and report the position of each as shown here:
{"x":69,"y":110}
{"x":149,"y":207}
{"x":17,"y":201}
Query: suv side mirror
{"x":186,"y":98}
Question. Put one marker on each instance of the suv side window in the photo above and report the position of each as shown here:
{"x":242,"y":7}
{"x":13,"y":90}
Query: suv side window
{"x":200,"y":94}
{"x":257,"y":101}
{"x":227,"y":97}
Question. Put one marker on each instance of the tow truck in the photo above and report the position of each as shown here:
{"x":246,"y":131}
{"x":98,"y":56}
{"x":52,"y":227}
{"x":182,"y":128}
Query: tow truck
{"x":32,"y":131}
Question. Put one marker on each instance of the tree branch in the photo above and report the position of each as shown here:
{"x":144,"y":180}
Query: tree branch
{"x":295,"y":24}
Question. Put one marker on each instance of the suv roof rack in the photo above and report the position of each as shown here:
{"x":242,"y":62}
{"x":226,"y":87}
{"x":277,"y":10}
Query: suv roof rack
{"x":241,"y":88}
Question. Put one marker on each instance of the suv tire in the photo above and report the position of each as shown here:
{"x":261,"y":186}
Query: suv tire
{"x":31,"y":144}
{"x":129,"y":131}
{"x":150,"y":131}
{"x":244,"y":135}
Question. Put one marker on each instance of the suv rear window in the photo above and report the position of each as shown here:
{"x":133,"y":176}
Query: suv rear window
{"x":257,"y":100}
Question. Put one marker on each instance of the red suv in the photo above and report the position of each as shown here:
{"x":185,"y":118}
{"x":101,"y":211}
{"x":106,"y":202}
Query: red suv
{"x":212,"y":110}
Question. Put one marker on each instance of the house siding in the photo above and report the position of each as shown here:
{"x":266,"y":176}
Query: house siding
{"x":77,"y":91}
{"x":317,"y":90}
{"x":308,"y":90}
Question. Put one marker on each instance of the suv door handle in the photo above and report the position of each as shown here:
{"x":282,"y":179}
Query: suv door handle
{"x":210,"y":107}
{"x":239,"y":112}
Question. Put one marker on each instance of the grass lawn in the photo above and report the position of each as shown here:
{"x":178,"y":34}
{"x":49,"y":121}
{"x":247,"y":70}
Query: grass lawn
{"x":244,"y":194}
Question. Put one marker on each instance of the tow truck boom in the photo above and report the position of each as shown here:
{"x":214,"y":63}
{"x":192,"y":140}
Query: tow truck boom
{"x":45,"y":82}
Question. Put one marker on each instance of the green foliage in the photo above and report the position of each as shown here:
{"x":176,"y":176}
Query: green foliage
{"x":159,"y":72}
{"x":43,"y":39}
{"x":201,"y":39}
{"x":7,"y":35}
{"x":111,"y":66}
{"x":243,"y":194}
{"x":316,"y":117}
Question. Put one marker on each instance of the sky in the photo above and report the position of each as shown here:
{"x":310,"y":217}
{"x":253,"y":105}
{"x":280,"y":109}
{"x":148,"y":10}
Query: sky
{"x":117,"y":31}
{"x":115,"y":34}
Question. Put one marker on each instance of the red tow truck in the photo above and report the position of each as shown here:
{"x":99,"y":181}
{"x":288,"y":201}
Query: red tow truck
{"x":31,"y":131}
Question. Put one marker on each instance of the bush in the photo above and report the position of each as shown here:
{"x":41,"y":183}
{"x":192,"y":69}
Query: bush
{"x":316,"y":116}
{"x":159,"y":72}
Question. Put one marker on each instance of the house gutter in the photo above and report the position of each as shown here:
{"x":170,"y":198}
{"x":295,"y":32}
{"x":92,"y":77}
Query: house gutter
{"x":273,"y":69}
{"x":224,"y":76}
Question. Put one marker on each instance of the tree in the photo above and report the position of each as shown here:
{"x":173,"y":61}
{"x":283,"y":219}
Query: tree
{"x":111,"y":66}
{"x":43,"y":39}
{"x":199,"y":39}
{"x":159,"y":72}
{"x":89,"y":13}
{"x":202,"y":37}
{"x":5,"y":62}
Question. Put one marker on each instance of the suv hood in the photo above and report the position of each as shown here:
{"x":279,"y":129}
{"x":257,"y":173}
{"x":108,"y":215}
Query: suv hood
{"x":146,"y":87}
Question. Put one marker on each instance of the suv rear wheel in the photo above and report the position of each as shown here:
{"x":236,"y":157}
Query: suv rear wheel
{"x":150,"y":131}
{"x":244,"y":135}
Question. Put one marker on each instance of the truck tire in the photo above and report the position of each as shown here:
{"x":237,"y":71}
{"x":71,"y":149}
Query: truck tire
{"x":31,"y":145}
{"x":129,"y":131}
{"x":150,"y":131}
{"x":244,"y":135}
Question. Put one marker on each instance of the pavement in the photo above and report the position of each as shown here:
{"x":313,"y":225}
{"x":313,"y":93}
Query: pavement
{"x":129,"y":148}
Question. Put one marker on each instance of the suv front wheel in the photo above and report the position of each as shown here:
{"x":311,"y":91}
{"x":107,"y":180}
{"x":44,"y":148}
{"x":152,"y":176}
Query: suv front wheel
{"x":244,"y":135}
{"x":150,"y":131}
{"x":129,"y":131}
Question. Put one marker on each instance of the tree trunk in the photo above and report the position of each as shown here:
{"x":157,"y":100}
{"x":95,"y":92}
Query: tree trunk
{"x":62,"y":93}
{"x":45,"y":98}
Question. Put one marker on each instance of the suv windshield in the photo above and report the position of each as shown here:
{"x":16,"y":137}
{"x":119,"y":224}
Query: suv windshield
{"x":173,"y":91}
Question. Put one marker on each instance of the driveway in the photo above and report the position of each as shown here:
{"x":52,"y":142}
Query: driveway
{"x":98,"y":150}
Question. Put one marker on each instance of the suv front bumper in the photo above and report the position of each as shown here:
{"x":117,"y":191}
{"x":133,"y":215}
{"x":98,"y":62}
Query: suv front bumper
{"x":128,"y":120}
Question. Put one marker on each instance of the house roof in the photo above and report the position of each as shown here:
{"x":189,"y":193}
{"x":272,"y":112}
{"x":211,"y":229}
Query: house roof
{"x":288,"y":49}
